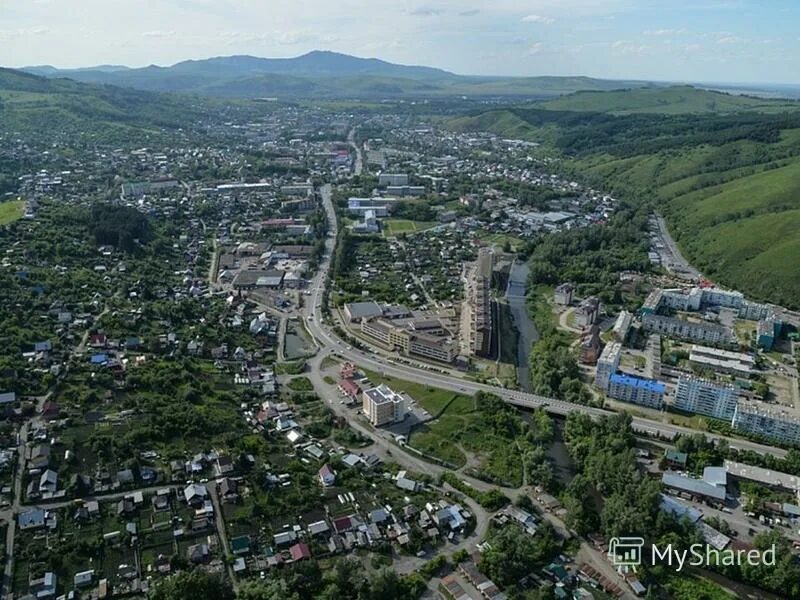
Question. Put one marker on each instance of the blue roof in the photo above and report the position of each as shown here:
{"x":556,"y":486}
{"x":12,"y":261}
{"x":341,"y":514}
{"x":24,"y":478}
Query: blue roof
{"x":679,"y":509}
{"x":99,"y":359}
{"x":629,"y":380}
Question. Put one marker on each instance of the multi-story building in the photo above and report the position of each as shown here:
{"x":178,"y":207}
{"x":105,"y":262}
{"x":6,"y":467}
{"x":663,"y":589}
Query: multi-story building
{"x":563,"y":294}
{"x":480,"y":305}
{"x":359,"y":206}
{"x":644,"y":392}
{"x":701,"y":396}
{"x":699,"y":331}
{"x":767,"y":331}
{"x":696,"y":298}
{"x":587,"y":312}
{"x":767,"y":421}
{"x":383,"y":406}
{"x":590,"y":345}
{"x":622,"y":325}
{"x":607,"y":364}
{"x":405,"y":190}
{"x":386,"y":179}
{"x":722,"y":360}
{"x":409,"y":342}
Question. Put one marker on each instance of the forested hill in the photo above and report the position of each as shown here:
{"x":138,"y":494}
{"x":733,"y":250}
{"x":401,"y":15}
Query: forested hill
{"x":33,"y":104}
{"x":671,"y":101}
{"x":728,"y":183}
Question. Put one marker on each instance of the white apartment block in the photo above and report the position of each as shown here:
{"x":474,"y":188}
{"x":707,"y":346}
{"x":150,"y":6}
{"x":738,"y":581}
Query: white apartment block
{"x":607,"y":364}
{"x":767,"y":421}
{"x":704,"y":397}
{"x":383,"y":406}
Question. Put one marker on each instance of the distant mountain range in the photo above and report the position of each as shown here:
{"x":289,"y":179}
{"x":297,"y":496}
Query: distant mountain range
{"x":323,"y":74}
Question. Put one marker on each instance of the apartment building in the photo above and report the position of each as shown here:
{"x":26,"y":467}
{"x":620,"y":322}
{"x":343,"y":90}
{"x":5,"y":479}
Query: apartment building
{"x":699,"y":331}
{"x":590,"y":345}
{"x":405,"y":190}
{"x":704,"y":397}
{"x":587,"y":312}
{"x":480,"y":305}
{"x":722,"y":360}
{"x":408,"y":341}
{"x":383,"y":406}
{"x":607,"y":364}
{"x":387,"y":179}
{"x":562,"y":295}
{"x":622,"y":325}
{"x":770,"y":422}
{"x":636,"y":390}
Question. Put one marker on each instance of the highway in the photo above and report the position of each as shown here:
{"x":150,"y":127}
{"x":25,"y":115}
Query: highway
{"x":329,"y":342}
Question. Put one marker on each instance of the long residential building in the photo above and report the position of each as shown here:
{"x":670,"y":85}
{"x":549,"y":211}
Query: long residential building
{"x":385,"y":179}
{"x":383,"y":406}
{"x":480,"y":305}
{"x":644,"y":392}
{"x":701,"y":396}
{"x":409,"y":341}
{"x":767,"y":421}
{"x":699,"y":331}
{"x":722,"y":360}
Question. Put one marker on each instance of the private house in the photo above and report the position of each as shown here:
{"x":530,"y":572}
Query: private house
{"x":327,"y":476}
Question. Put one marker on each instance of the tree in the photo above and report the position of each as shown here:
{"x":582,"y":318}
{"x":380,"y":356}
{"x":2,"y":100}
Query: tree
{"x":191,"y":585}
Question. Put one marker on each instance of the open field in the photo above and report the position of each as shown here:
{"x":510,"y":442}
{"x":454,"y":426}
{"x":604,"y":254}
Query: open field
{"x":11,"y":211}
{"x":393,"y":227}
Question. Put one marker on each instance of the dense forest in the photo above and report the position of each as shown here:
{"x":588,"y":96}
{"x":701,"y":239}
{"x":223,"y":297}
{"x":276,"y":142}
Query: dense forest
{"x":119,"y":226}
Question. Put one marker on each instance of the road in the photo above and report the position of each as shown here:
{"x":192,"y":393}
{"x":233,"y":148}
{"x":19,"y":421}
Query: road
{"x":326,"y":339}
{"x":677,"y":264}
{"x":358,"y":166}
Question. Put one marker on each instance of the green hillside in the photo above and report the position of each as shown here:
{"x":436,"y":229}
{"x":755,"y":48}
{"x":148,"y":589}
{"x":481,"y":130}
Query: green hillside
{"x":727,"y":183}
{"x":34,"y":104}
{"x":672,"y":100}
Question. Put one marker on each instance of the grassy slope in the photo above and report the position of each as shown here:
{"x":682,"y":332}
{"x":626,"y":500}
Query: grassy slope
{"x":734,"y":208}
{"x":673,"y":100}
{"x":11,"y":211}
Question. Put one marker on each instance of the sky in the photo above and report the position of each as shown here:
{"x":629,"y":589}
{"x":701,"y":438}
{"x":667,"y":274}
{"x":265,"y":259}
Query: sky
{"x":747,"y":41}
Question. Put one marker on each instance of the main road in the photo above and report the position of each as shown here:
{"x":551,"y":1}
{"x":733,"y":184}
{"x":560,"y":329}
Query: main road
{"x":328,"y":341}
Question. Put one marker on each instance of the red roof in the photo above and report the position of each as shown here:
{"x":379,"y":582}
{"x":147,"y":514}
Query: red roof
{"x":349,"y":387}
{"x":342,"y":524}
{"x":300,"y":551}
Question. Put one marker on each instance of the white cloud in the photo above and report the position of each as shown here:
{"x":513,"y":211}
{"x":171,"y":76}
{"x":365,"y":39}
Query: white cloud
{"x":536,"y":48}
{"x":664,"y":32}
{"x":158,"y":33}
{"x":538,"y":19}
{"x":621,"y":47}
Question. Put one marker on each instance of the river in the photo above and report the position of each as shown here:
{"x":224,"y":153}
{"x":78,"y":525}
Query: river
{"x":515,"y":296}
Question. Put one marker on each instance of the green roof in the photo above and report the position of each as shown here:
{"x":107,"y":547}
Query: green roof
{"x":240,"y":544}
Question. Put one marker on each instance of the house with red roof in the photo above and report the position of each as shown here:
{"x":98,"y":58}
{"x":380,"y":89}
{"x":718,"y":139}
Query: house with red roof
{"x":350,"y":388}
{"x":300,"y":551}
